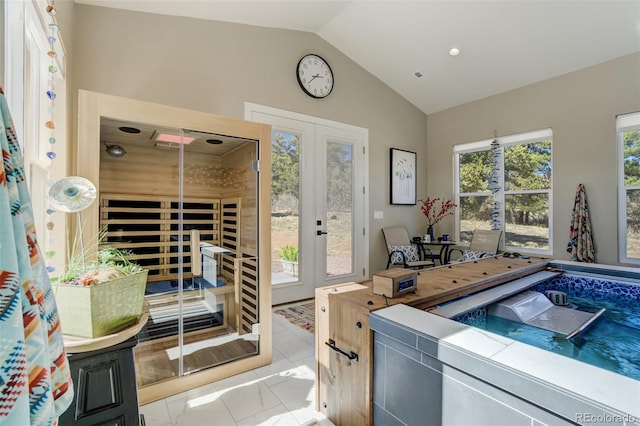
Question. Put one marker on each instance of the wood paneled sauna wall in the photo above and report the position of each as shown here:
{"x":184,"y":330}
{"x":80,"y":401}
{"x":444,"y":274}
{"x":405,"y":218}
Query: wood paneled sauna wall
{"x":141,"y":188}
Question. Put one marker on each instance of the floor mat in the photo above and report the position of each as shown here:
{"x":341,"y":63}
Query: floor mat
{"x":302,"y":315}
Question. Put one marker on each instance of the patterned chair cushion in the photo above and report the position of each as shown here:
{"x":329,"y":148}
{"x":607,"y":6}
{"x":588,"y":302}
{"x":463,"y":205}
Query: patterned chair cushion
{"x":410,"y":253}
{"x":468,"y":255}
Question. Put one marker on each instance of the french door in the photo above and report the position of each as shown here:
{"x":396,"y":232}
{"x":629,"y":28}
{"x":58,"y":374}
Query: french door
{"x":319,"y":202}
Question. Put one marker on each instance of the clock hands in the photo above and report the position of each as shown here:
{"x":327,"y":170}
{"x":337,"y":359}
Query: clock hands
{"x":316,"y":76}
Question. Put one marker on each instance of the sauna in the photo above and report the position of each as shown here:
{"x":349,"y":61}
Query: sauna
{"x":187,"y":194}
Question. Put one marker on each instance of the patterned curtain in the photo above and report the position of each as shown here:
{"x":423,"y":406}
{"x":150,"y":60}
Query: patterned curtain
{"x":35,"y":381}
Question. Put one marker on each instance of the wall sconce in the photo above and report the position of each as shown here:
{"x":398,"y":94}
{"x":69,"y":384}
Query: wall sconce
{"x":115,"y":150}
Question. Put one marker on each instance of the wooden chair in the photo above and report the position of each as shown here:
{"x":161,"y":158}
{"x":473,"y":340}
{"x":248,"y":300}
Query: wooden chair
{"x":483,"y":244}
{"x":402,"y":252}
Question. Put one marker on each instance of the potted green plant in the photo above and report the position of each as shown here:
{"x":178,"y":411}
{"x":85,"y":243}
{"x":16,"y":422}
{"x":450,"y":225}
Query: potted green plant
{"x":99,"y":297}
{"x":289,"y":258}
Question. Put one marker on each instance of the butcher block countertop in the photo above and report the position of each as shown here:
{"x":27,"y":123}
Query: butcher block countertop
{"x":448,"y":282}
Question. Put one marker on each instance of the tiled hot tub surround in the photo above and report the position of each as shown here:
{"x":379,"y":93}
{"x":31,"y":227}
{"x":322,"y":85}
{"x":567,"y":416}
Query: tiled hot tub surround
{"x":621,"y":294}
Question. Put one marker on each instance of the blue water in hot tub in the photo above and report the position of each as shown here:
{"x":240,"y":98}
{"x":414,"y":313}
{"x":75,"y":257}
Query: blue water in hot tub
{"x":612,"y":342}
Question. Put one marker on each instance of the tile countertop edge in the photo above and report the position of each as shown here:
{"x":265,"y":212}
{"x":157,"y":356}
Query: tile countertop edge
{"x":591,"y":385}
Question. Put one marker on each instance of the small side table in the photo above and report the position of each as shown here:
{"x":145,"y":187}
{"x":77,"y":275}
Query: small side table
{"x":445,"y":246}
{"x":104,"y":379}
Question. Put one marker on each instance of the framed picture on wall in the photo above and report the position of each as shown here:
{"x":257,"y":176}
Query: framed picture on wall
{"x":403,"y":176}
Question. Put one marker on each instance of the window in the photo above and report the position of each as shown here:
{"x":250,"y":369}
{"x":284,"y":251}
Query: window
{"x":28,"y":80}
{"x":506,"y":184}
{"x":628,"y":129}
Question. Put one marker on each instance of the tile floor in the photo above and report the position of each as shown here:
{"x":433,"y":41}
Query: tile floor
{"x":282,"y":393}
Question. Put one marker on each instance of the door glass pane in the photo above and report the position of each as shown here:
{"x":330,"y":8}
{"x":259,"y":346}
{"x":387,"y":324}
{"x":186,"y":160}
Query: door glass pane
{"x":285,"y":207}
{"x":527,"y":220}
{"x":339,"y":220}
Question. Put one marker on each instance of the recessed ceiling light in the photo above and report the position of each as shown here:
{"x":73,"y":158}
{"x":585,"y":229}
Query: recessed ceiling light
{"x":214,"y":141}
{"x":454,"y":51}
{"x":127,"y":129}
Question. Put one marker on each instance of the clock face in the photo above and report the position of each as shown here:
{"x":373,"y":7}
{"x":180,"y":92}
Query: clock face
{"x":315,"y":76}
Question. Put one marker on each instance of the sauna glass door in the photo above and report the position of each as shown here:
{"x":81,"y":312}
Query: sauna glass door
{"x":184,"y":203}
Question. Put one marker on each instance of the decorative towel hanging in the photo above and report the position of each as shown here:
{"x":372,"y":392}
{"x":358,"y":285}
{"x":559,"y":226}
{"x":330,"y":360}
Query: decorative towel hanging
{"x":35,"y":381}
{"x":580,"y":238}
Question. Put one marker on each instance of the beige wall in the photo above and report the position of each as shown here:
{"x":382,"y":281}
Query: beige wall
{"x":581,"y":108}
{"x":215,"y":67}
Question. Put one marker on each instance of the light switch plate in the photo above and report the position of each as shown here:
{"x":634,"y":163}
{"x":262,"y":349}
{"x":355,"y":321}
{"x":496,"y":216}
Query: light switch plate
{"x":378,"y":215}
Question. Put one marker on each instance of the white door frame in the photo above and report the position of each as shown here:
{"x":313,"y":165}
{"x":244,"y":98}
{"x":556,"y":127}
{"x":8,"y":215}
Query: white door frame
{"x":305,"y":288}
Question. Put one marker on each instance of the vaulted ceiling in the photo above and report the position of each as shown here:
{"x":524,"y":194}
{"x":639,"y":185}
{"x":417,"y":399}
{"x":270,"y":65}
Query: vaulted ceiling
{"x":503,"y":44}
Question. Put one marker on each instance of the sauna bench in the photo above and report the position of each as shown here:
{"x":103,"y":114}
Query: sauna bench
{"x":344,"y":342}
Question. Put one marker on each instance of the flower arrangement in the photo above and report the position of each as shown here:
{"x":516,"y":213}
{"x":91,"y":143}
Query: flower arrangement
{"x":436,"y":209}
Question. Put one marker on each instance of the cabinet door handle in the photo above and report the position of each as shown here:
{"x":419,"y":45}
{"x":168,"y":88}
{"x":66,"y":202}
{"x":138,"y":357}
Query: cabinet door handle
{"x":351,"y":355}
{"x":321,"y":233}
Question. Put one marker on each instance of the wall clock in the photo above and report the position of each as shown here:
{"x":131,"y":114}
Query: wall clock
{"x":315,"y":76}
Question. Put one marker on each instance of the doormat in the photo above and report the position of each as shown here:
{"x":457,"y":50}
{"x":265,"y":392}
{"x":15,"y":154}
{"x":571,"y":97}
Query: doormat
{"x":302,"y":315}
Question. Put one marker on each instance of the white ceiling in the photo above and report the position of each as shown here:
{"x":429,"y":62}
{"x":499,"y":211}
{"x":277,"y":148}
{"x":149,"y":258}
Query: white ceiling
{"x":505,"y":44}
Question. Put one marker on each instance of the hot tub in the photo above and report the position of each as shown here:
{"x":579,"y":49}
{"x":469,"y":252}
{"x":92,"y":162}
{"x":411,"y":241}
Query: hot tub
{"x":611,"y":342}
{"x":430,"y":369}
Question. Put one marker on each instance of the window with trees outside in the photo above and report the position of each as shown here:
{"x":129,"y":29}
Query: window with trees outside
{"x":506,"y":185}
{"x":628,"y":129}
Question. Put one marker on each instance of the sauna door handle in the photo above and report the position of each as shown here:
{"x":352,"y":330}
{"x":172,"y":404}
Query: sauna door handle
{"x":351,"y":355}
{"x":196,"y":259}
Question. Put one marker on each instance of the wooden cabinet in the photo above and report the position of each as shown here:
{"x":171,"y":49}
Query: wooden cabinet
{"x":105,"y":390}
{"x":343,"y":351}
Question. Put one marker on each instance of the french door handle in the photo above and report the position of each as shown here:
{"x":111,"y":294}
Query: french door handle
{"x":321,"y":232}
